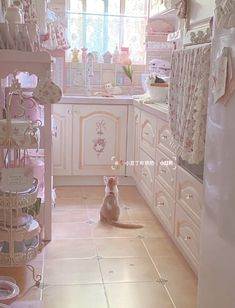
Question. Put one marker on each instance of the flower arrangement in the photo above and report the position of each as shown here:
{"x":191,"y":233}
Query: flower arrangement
{"x":128,"y":70}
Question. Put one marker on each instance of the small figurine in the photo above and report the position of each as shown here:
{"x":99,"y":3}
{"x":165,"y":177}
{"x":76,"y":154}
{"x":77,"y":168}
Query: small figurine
{"x":90,"y":64}
{"x":114,"y":90}
{"x":107,"y":57}
{"x":84,"y":54}
{"x":75,"y":53}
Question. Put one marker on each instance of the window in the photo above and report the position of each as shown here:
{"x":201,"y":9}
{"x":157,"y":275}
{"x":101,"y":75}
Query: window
{"x":101,"y":25}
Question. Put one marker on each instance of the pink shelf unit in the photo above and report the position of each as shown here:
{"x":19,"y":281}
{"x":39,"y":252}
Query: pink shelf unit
{"x":39,"y":64}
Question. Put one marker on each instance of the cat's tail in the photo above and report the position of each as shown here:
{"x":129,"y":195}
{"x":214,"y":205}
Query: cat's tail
{"x":123,"y":225}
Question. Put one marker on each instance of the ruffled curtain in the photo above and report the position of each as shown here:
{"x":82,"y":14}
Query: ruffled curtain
{"x":188,"y":96}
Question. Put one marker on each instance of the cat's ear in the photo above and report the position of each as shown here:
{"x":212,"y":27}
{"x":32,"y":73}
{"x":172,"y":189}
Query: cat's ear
{"x":105,"y":180}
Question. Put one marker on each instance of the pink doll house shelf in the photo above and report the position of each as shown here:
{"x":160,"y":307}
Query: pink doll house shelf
{"x":20,"y":225}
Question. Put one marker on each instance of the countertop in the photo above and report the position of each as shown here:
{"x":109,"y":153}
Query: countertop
{"x":97,"y":100}
{"x":158,"y":109}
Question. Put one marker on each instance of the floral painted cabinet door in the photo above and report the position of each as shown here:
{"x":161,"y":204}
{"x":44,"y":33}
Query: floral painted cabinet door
{"x":99,"y":139}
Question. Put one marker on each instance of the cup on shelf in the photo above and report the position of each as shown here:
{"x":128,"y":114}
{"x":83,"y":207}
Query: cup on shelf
{"x":9,"y":292}
{"x":19,"y":247}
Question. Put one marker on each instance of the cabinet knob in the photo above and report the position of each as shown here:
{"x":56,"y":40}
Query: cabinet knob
{"x":189,"y":196}
{"x":160,"y":203}
{"x":54,"y":134}
{"x":187,"y":238}
{"x":164,"y":137}
{"x":163,"y":171}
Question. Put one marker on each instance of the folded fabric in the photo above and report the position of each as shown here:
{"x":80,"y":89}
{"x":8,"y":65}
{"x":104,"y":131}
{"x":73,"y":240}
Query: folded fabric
{"x":188,"y":96}
{"x":229,"y":83}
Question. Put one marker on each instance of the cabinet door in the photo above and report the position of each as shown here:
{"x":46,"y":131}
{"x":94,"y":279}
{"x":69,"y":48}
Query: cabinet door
{"x":166,"y":171}
{"x":136,"y":142}
{"x":164,"y":207}
{"x":145,"y":183}
{"x":187,"y":235}
{"x":99,"y":139}
{"x":62,"y":139}
{"x":148,"y":133}
{"x":164,"y":137}
{"x":189,"y":194}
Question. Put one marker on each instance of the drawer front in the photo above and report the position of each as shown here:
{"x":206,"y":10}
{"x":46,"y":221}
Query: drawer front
{"x":164,"y":207}
{"x":164,"y":136}
{"x":148,"y":133}
{"x":187,"y":235}
{"x":146,"y":176}
{"x":189,"y":194}
{"x":166,"y":171}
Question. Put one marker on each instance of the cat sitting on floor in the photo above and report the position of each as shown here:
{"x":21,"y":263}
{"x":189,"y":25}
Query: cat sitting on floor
{"x":110,"y":210}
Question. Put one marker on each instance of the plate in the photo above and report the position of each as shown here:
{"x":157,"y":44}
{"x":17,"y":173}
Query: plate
{"x":24,"y":220}
{"x":8,"y":292}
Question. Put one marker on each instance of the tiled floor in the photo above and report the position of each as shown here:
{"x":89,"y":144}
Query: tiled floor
{"x":92,"y":265}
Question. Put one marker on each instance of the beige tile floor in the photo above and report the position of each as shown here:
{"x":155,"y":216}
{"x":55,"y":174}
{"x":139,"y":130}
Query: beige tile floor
{"x":92,"y":265}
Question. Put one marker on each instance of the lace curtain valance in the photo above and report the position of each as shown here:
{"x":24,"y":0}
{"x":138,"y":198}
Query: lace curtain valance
{"x":188,"y":96}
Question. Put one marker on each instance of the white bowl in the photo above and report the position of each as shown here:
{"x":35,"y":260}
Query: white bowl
{"x":160,"y":93}
{"x":9,"y":292}
{"x":4,"y":306}
{"x":8,"y":278}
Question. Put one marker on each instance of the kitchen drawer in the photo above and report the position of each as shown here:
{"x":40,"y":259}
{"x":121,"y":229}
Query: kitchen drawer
{"x":164,"y":207}
{"x":146,"y":183}
{"x":189,"y":194}
{"x":166,"y":171}
{"x":164,"y":137}
{"x":148,"y":133}
{"x":187,"y":235}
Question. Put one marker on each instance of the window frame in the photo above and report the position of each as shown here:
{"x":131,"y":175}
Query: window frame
{"x":106,"y":14}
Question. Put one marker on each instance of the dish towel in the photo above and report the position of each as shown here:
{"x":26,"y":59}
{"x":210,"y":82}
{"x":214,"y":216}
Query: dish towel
{"x":188,"y":96}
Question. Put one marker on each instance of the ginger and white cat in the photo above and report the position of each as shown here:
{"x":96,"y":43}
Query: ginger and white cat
{"x":110,"y":210}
